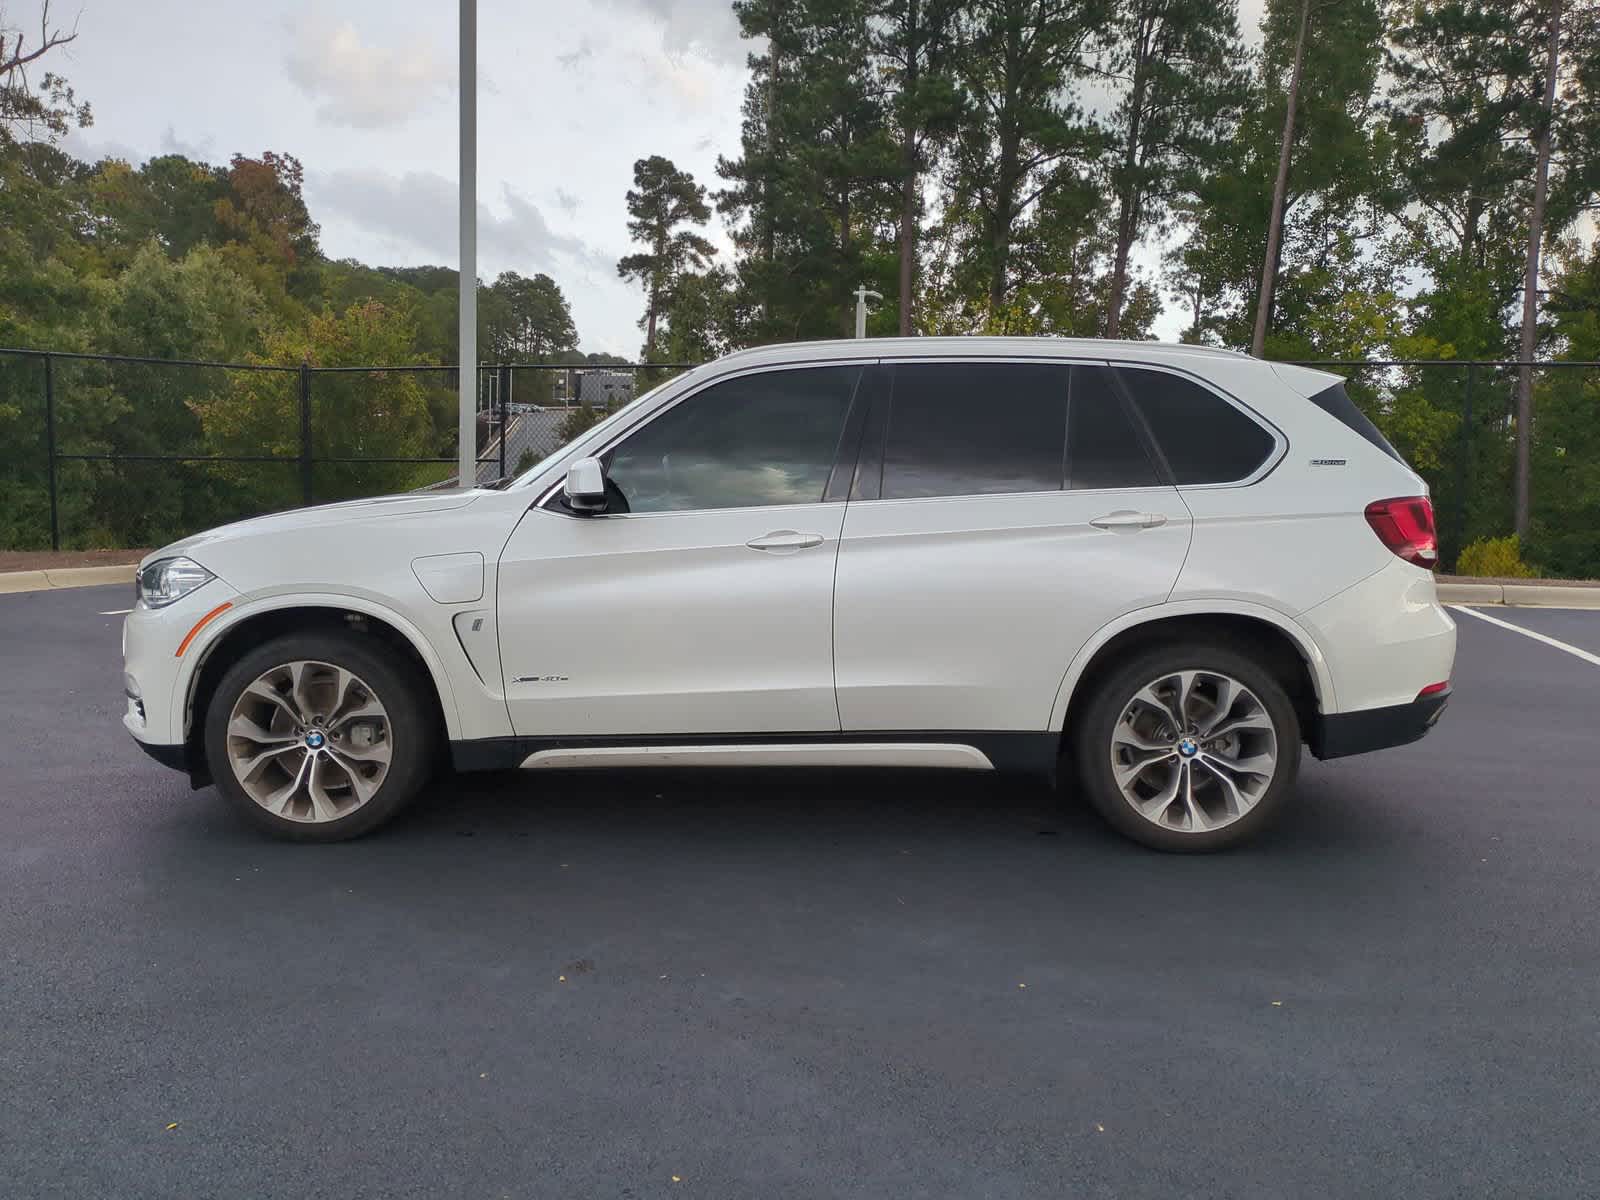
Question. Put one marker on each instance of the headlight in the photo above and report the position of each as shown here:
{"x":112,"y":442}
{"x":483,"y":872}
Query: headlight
{"x":169,"y":580}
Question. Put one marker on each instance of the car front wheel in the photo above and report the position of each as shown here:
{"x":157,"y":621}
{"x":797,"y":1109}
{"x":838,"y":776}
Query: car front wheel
{"x":319,"y":737}
{"x":1189,"y":748}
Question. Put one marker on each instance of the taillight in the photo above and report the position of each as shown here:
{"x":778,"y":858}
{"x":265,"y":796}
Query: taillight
{"x":1405,"y":525}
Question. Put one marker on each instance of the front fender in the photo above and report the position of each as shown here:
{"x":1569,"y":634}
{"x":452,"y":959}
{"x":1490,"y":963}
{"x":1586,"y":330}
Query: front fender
{"x":247,"y":609}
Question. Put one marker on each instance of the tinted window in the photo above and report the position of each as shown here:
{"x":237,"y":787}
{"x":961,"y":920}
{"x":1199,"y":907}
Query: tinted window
{"x":1336,"y":403}
{"x":972,"y":429}
{"x":1203,"y":437}
{"x":760,"y":439}
{"x":1103,"y":448}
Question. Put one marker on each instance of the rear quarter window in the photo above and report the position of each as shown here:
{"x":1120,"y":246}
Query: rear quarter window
{"x":1204,"y":438}
{"x":1336,"y":402}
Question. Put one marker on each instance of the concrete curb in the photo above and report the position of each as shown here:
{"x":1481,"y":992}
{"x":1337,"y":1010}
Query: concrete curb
{"x":64,"y":577}
{"x":1521,"y":595}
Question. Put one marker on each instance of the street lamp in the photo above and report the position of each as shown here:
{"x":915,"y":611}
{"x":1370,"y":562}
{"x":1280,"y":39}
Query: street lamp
{"x":862,"y":296}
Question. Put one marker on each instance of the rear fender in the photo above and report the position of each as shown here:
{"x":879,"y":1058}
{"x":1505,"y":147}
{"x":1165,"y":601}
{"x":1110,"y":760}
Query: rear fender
{"x":1321,"y":677}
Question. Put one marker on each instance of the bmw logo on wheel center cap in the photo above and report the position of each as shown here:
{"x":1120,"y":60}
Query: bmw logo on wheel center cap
{"x":314,"y":740}
{"x":1188,"y":747}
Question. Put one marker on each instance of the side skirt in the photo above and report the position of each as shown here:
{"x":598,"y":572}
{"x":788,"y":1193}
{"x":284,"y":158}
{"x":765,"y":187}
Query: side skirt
{"x":983,"y":750}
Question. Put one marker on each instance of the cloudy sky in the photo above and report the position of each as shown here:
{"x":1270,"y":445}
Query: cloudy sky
{"x":363,"y":93}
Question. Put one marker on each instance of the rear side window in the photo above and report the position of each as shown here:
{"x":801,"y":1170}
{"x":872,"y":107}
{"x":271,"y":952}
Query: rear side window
{"x":1104,"y":450}
{"x":975,"y":429}
{"x":1203,"y":438}
{"x":1337,"y":404}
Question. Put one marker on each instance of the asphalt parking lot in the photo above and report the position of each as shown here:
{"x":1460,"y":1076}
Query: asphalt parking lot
{"x":812,"y":985}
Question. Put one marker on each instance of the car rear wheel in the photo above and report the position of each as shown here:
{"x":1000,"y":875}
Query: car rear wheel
{"x":1189,"y":747}
{"x":319,"y":737}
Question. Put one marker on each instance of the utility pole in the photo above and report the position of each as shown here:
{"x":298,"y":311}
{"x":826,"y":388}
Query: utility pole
{"x":862,"y":295}
{"x":467,"y":301}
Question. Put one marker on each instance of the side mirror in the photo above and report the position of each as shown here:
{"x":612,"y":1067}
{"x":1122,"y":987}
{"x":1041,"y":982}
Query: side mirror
{"x":586,"y":486}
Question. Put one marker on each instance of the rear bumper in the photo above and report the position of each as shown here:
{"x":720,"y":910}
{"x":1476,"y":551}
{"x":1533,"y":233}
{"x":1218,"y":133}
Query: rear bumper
{"x":1338,"y":735}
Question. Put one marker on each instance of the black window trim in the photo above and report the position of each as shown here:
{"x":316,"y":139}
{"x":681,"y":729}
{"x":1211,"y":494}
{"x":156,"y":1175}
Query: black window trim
{"x":1268,"y":465}
{"x":550,"y":501}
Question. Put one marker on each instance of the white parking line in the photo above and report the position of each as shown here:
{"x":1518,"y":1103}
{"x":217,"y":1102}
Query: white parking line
{"x":1538,"y":637}
{"x":117,"y":612}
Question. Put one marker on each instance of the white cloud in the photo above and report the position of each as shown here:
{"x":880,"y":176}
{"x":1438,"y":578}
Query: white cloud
{"x":204,"y":150}
{"x":704,"y":27}
{"x":416,"y":211}
{"x":363,"y":86}
{"x":93,"y":150}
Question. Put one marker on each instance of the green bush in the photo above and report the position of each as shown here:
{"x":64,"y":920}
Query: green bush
{"x":1494,"y":558}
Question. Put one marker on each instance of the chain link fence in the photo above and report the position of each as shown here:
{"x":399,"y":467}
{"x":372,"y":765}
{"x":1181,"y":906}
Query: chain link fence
{"x":111,"y":451}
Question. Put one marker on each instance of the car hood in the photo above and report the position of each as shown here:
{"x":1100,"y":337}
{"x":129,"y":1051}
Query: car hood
{"x":320,"y":516}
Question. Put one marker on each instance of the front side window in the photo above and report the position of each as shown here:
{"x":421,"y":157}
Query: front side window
{"x":1203,"y":438}
{"x":762,"y":439}
{"x":975,"y":429}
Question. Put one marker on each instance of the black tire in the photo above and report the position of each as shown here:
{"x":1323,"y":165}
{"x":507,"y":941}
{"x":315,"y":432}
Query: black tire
{"x":1091,"y":743}
{"x":413,"y":734}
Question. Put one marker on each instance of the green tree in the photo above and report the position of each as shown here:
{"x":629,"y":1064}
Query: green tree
{"x":915,"y":45}
{"x":1566,"y":451}
{"x":1178,"y":63}
{"x":661,"y":202}
{"x":812,"y":192}
{"x":197,"y":307}
{"x":1026,"y":138}
{"x":355,"y":414}
{"x":703,"y":317}
{"x":1471,"y":103}
{"x":526,"y":319}
{"x":170,"y":199}
{"x":35,"y":114}
{"x":1337,"y":169}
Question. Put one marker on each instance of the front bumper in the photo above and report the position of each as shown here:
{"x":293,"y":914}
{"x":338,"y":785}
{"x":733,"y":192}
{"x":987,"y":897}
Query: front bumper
{"x":1337,"y":735}
{"x":175,"y":757}
{"x":156,"y":675}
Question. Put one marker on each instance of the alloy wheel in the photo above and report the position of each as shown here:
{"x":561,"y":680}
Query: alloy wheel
{"x":309,"y":741}
{"x":1194,"y":751}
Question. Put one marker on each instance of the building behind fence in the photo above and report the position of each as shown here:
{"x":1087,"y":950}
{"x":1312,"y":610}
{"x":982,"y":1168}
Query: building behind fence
{"x":103,"y":450}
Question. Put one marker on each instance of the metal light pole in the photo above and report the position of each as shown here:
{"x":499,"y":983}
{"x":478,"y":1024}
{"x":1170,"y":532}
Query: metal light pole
{"x":862,"y":296}
{"x":467,"y":331}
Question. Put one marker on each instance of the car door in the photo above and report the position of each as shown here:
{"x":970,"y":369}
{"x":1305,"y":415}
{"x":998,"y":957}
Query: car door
{"x":1001,"y":514}
{"x":700,"y":601}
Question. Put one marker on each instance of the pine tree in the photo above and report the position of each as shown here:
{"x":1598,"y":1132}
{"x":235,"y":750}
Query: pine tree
{"x":662,"y":200}
{"x":1179,"y":65}
{"x":1025,"y":138}
{"x":915,"y":46}
{"x":813,"y":190}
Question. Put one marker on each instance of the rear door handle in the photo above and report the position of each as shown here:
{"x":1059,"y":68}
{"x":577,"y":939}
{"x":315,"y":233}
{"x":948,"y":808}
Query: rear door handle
{"x":785,"y":541}
{"x":1126,"y":518}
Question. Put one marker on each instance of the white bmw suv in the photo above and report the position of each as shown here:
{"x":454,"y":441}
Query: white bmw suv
{"x":1164,"y":567}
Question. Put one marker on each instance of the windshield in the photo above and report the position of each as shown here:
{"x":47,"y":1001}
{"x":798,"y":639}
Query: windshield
{"x":605,"y":423}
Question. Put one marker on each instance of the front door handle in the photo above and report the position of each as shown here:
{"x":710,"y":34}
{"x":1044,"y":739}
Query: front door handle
{"x":785,"y":541}
{"x":1127,"y":519}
